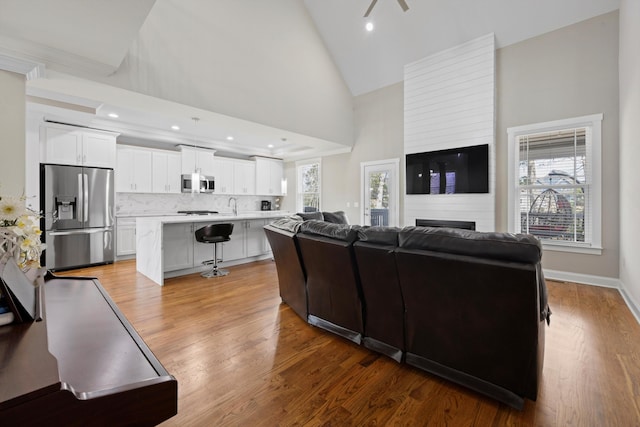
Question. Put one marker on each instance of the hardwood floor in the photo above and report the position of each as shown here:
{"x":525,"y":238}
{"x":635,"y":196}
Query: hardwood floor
{"x":242,"y":358}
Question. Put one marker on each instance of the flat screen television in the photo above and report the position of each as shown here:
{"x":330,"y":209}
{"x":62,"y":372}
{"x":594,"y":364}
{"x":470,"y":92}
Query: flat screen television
{"x":451,"y":171}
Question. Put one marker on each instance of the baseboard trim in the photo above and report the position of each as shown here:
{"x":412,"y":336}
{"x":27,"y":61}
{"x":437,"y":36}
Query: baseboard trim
{"x":585,"y":279}
{"x":631,"y":303}
{"x":605,"y":282}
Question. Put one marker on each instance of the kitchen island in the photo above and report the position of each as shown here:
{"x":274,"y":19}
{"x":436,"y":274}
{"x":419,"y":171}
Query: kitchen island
{"x":166,"y":246}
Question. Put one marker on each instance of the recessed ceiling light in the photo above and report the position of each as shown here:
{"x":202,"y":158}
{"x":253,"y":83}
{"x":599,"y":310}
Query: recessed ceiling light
{"x":175,"y":127}
{"x":270,"y":145}
{"x":229,"y":138}
{"x":369,"y":26}
{"x":113,"y":115}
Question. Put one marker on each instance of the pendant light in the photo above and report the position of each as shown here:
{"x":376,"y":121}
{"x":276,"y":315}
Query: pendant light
{"x":195,"y":175}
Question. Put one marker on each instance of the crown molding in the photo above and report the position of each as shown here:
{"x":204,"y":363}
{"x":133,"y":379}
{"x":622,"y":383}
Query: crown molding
{"x":54,"y":58}
{"x":314,"y":152}
{"x":29,"y":68}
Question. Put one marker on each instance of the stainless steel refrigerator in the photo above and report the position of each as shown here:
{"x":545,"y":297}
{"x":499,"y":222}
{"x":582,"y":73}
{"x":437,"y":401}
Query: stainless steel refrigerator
{"x":78,"y":215}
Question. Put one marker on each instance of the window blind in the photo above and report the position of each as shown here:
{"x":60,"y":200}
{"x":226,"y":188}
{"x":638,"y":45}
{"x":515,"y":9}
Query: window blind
{"x":554,"y":185}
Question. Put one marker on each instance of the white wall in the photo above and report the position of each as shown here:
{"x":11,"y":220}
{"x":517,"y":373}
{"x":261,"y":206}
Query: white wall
{"x":12,"y":133}
{"x":379,"y":124}
{"x":261,"y":61}
{"x":569,"y":72}
{"x":449,"y":103}
{"x":629,"y":148}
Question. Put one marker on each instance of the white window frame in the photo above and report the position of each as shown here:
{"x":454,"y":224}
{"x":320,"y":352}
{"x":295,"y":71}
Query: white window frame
{"x":594,"y":154}
{"x":299,"y":165}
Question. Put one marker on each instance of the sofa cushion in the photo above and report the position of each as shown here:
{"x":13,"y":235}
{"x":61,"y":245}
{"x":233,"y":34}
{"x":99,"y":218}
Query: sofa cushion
{"x":499,"y":246}
{"x":338,"y":217}
{"x":380,"y":235}
{"x":290,"y":223}
{"x":344,"y":232}
{"x":306,"y":216}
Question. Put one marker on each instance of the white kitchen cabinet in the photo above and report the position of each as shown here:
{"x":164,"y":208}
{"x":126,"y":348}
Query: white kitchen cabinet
{"x":193,"y":158}
{"x":69,"y":145}
{"x":244,"y":177}
{"x":125,"y":236}
{"x":182,"y":250}
{"x":183,"y":255}
{"x":178,"y":246}
{"x":235,"y":248}
{"x":247,"y":240}
{"x":166,"y":170}
{"x":234,"y":176}
{"x":256,"y":238}
{"x":133,"y":170}
{"x":269,"y":174}
{"x":223,"y":173}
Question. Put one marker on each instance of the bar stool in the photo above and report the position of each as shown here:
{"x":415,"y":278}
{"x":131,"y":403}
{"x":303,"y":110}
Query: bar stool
{"x":214,"y":233}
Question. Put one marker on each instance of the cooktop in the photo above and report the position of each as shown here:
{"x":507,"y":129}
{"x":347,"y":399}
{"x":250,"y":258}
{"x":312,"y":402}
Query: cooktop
{"x":197,"y":212}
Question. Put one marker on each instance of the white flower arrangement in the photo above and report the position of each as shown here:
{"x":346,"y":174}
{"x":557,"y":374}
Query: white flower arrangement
{"x":19,"y":232}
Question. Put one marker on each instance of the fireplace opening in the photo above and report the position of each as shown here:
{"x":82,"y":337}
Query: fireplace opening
{"x":465,"y":225}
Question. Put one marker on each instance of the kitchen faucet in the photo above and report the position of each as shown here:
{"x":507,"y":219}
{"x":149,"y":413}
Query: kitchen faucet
{"x":235,"y":205}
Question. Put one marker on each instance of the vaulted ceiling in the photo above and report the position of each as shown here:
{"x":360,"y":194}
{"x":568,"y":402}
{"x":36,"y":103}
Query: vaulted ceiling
{"x":370,"y":60}
{"x":96,"y":41}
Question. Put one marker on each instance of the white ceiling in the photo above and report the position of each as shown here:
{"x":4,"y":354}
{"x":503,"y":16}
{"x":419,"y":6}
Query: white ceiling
{"x":370,"y":60}
{"x":367,"y":61}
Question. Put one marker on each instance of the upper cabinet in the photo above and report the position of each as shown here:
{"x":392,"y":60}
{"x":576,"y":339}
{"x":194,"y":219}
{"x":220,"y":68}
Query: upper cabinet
{"x":223,"y":173}
{"x":147,"y":170}
{"x":197,"y":158}
{"x":133,"y":170}
{"x":70,"y":145}
{"x":269,"y":174}
{"x":166,"y":168}
{"x":244,"y":177}
{"x":234,"y":176}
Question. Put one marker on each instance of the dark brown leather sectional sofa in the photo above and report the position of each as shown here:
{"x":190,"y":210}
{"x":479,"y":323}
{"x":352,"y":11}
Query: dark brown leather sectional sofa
{"x":464,"y":305}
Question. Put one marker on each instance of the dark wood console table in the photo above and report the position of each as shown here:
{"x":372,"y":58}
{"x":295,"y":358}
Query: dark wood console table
{"x":82,"y":364}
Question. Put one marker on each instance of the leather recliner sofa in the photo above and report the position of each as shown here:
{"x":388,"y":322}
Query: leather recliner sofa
{"x":466,"y":306}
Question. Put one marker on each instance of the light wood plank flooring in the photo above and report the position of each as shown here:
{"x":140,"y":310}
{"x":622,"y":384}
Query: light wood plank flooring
{"x":242,"y":358}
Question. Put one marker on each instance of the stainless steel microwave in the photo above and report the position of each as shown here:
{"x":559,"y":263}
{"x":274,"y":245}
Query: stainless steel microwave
{"x":206,"y":184}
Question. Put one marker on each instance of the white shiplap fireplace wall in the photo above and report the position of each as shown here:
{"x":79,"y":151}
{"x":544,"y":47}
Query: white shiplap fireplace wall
{"x":449,"y":102}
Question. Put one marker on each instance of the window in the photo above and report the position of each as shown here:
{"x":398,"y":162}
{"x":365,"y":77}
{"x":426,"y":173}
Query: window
{"x":554,"y":183}
{"x":308,"y":186}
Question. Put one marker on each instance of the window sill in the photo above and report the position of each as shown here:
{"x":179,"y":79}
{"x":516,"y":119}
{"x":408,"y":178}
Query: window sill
{"x":590,"y":250}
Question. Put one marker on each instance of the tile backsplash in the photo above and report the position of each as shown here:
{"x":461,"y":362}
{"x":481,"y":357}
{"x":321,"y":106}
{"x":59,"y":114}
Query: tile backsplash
{"x":131,"y":204}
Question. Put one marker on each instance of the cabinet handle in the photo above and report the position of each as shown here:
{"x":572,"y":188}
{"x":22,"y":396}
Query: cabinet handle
{"x":84,"y":158}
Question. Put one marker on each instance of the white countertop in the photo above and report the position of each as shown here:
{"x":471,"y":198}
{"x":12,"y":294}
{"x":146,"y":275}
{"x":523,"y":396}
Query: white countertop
{"x":184,"y":218}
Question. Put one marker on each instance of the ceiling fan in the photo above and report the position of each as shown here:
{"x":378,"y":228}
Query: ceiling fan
{"x":402,"y":3}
